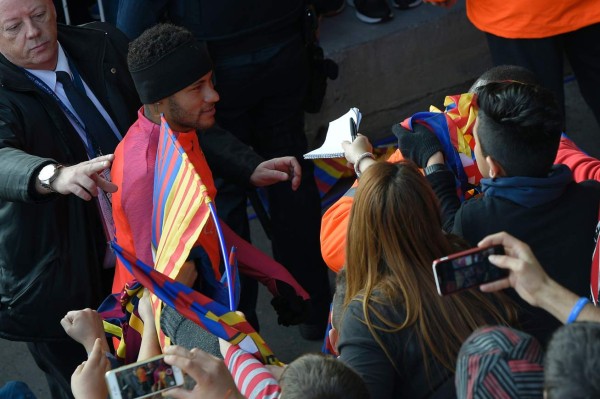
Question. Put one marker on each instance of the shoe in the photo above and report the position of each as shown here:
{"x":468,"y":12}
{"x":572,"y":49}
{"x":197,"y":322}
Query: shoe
{"x":406,"y":4}
{"x":372,"y":11}
{"x":329,"y":8}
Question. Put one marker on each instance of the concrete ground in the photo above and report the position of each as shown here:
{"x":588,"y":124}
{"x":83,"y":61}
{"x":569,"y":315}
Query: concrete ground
{"x":389,"y":71}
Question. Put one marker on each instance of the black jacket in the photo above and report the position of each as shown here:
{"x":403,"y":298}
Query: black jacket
{"x":408,"y":376}
{"x":52,"y":246}
{"x":558,"y":227}
{"x":231,"y":19}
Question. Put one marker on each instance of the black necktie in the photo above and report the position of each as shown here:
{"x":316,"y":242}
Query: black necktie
{"x":101,"y":136}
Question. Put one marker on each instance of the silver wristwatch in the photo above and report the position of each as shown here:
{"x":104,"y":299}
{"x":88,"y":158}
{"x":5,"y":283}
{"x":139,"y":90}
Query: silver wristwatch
{"x":48,"y":174}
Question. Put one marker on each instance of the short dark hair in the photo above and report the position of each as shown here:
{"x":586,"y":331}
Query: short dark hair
{"x":337,"y":305}
{"x":503,"y":73}
{"x":316,"y":376}
{"x":572,"y":362}
{"x":519,"y":125}
{"x":154,"y":43}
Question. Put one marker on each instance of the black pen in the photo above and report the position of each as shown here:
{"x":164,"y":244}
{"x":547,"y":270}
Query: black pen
{"x":352,"y":129}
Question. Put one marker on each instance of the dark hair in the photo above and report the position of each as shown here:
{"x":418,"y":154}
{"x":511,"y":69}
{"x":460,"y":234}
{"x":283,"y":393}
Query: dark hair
{"x":316,"y":376}
{"x":572,"y":362}
{"x":154,"y":43}
{"x":337,"y":305}
{"x":519,"y":125}
{"x":502,"y":73}
{"x":394,"y":234}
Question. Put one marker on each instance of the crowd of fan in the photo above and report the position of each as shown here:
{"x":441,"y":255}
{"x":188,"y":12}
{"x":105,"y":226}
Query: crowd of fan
{"x":392,"y":334}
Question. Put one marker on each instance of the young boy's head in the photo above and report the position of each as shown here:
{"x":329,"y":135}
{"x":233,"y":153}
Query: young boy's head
{"x":572,"y":362}
{"x":517,"y":131}
{"x":337,"y":308}
{"x":316,"y":376}
{"x":504,"y":73}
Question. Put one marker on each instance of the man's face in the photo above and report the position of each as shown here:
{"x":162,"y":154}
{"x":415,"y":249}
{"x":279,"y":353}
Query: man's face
{"x":193,"y":107}
{"x":28,"y":33}
{"x":479,"y":157}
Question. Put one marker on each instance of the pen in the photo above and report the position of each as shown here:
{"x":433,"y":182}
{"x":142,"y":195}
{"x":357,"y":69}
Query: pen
{"x":352,"y":129}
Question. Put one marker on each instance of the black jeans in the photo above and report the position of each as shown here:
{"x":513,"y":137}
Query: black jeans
{"x":261,"y":103}
{"x":544,"y":57}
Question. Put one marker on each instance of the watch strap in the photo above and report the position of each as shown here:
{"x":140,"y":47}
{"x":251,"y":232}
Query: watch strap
{"x":436,"y":167}
{"x":47,"y":183}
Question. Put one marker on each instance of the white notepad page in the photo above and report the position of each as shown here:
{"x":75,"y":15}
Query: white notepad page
{"x":338,"y":131}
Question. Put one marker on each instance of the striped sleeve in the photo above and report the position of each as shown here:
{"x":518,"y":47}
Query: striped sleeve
{"x":251,"y":377}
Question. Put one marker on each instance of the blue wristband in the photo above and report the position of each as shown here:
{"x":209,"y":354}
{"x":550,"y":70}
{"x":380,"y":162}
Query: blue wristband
{"x":577,"y":309}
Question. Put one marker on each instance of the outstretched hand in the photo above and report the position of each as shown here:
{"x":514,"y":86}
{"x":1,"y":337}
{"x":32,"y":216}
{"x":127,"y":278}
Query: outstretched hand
{"x":85,"y":326}
{"x":277,"y":170}
{"x":84,"y":179}
{"x":526,"y":275}
{"x":213,"y":380}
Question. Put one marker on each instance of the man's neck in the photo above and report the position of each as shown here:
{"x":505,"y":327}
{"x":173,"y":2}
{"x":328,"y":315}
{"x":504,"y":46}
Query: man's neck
{"x":150,"y":115}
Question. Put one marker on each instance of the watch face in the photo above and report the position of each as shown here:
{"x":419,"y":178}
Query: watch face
{"x":47,"y":172}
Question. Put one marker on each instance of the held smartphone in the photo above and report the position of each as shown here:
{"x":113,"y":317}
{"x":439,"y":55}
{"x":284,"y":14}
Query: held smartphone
{"x":467,"y":269}
{"x":143,"y":379}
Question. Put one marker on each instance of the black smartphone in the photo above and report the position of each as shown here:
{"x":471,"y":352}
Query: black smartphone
{"x":467,"y":269}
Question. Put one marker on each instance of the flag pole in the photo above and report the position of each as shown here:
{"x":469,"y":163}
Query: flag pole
{"x":230,"y":285}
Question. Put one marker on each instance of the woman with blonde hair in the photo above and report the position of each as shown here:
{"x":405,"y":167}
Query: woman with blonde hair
{"x":397,"y":332}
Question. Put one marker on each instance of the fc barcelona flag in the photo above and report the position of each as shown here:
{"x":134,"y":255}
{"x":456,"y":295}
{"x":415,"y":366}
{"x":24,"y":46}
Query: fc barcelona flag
{"x":208,"y":314}
{"x":454,"y":130}
{"x":181,"y":208}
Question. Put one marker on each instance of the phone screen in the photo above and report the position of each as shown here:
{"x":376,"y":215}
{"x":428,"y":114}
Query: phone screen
{"x":143,"y":379}
{"x":467,"y":269}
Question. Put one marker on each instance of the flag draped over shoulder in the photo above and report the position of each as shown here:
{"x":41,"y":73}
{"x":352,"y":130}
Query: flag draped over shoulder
{"x":181,"y":209}
{"x":454,"y":130}
{"x":180,"y":205}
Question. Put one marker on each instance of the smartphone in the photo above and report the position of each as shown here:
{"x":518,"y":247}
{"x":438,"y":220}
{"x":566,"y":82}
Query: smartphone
{"x":143,"y":379}
{"x":467,"y":269}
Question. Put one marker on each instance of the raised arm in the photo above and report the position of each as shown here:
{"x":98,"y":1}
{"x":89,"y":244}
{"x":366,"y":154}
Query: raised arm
{"x":532,"y":283}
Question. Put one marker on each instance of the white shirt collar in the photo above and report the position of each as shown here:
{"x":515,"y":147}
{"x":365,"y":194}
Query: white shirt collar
{"x":49,"y":77}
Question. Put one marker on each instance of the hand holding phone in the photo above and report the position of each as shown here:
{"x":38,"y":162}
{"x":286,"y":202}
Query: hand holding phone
{"x":467,"y":269}
{"x":143,"y":379}
{"x":213,"y":379}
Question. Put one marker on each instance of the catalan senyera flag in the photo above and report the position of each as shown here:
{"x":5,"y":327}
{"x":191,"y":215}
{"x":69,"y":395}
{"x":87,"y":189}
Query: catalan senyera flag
{"x":181,"y":208}
{"x":454,"y":129}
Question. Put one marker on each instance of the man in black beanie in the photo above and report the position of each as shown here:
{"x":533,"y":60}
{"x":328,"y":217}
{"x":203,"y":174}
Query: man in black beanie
{"x":172,"y":72}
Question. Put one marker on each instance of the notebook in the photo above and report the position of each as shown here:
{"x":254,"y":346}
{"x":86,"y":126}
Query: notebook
{"x":338,"y":131}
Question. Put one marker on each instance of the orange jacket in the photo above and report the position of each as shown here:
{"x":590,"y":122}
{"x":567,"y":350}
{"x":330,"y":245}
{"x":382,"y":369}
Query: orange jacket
{"x":532,"y":19}
{"x":334,"y":225}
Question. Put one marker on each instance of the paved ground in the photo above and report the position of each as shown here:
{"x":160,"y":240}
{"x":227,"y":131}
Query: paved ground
{"x":344,"y":31}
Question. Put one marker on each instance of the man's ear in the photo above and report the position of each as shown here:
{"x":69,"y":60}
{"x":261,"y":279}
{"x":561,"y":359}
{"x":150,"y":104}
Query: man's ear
{"x":494,"y":167}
